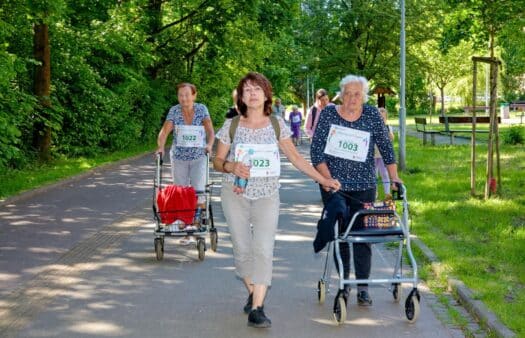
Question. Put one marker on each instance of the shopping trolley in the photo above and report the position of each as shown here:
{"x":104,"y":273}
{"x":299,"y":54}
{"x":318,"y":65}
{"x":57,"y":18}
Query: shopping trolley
{"x":179,"y":207}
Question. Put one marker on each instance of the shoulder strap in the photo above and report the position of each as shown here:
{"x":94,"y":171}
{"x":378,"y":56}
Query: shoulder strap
{"x":276,"y":126}
{"x":235,"y":124}
{"x":314,"y":112}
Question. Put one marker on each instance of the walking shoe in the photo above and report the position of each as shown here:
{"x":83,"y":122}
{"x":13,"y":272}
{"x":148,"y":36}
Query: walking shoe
{"x":248,"y":306}
{"x":363,"y":298}
{"x":258,"y":319}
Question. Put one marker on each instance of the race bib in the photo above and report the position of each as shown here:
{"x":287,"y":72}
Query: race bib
{"x":296,"y":119}
{"x":347,"y":143}
{"x":264,"y":159}
{"x":190,"y":136}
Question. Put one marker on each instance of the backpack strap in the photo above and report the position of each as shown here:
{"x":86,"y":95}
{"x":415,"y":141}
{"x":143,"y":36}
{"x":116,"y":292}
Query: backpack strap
{"x":276,"y":127}
{"x":233,"y":127}
{"x":235,"y":123}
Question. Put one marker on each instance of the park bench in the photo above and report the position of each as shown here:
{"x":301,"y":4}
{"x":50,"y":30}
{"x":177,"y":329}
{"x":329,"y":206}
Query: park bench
{"x":421,"y":126}
{"x":462,"y":124}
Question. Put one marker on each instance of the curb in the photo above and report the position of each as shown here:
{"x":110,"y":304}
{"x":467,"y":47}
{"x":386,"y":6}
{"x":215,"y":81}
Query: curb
{"x":63,"y":182}
{"x":475,"y":307}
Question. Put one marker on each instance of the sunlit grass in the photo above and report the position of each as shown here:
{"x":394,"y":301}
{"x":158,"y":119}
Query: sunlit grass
{"x":481,"y":241}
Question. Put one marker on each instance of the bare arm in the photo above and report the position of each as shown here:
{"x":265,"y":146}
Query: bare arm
{"x":300,"y":163}
{"x":392,"y":172}
{"x":166,"y":129}
{"x":210,"y":134}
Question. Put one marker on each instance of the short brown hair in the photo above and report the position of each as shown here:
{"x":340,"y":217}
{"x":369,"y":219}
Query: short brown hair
{"x":261,"y":81}
{"x":189,"y":85}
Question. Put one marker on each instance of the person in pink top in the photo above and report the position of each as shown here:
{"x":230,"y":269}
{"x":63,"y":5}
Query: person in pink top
{"x":321,"y":101}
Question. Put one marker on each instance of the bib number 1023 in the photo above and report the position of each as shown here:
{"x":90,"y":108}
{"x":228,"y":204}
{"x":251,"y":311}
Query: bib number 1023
{"x":260,"y":163}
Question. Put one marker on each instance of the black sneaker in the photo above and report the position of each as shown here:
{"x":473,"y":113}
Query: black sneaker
{"x":248,"y":307}
{"x":363,"y":298}
{"x":258,"y":319}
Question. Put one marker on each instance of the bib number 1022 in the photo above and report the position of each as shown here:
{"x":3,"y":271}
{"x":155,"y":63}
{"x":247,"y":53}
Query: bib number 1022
{"x":261,"y":163}
{"x":189,"y":137}
{"x":348,"y":146}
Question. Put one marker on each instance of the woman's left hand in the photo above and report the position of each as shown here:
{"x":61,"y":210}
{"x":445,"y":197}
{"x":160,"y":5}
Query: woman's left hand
{"x":208,"y":148}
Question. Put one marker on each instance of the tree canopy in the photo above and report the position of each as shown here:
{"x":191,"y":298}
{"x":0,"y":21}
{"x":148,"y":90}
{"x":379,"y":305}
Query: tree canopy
{"x":113,"y":65}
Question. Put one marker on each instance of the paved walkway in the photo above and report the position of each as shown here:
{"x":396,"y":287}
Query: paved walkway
{"x":78,"y":261}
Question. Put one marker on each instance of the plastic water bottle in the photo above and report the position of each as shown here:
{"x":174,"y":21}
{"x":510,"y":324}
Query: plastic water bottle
{"x":243,"y":182}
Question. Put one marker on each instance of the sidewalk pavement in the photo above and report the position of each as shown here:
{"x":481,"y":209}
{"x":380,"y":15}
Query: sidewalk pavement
{"x":77,"y":260}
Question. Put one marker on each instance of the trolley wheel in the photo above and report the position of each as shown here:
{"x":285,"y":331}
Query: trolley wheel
{"x":412,"y":307}
{"x":339,"y":309}
{"x":397,"y":292}
{"x":214,"y":238}
{"x":321,"y":291}
{"x":159,"y":248}
{"x":201,"y":247}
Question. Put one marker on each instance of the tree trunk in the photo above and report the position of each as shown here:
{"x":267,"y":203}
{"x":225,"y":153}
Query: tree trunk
{"x":42,"y":87}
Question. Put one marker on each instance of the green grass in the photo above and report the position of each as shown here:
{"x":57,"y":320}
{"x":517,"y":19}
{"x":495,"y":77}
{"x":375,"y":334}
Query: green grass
{"x":480,"y":242}
{"x":37,"y":175}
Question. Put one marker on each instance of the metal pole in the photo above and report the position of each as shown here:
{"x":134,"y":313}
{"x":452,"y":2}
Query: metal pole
{"x":402,"y":112}
{"x":307,"y":91}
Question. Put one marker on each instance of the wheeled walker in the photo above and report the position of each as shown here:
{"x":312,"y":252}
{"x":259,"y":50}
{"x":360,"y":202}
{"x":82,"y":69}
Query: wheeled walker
{"x":182,"y":204}
{"x":382,"y":225}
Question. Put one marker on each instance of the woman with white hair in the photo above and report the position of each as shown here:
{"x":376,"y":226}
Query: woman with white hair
{"x":343,"y":149}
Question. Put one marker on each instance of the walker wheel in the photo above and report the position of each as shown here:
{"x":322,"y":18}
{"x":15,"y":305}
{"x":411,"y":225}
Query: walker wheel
{"x":321,"y":291}
{"x":214,"y":238}
{"x":412,"y":308}
{"x":339,"y":309}
{"x":201,"y":247}
{"x":397,"y":292}
{"x":159,"y":248}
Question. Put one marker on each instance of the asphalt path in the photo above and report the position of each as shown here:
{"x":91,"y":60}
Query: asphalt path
{"x":78,"y":261}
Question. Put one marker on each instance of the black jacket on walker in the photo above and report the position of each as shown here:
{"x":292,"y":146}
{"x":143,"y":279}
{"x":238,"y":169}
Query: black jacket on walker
{"x":335,"y":208}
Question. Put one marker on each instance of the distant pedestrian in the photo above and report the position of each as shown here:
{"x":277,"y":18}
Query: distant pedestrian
{"x":295,"y":124}
{"x":233,"y":111}
{"x":321,"y":101}
{"x":278,"y":109}
{"x":380,"y":164}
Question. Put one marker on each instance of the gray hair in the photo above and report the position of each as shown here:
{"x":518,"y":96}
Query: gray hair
{"x":354,"y":78}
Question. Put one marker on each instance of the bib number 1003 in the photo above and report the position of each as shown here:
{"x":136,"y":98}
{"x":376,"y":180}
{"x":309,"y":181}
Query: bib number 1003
{"x":348,"y":146}
{"x":261,"y":163}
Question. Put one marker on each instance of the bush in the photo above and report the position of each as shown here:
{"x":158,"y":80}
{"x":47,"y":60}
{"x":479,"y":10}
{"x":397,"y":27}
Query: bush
{"x":514,"y":135}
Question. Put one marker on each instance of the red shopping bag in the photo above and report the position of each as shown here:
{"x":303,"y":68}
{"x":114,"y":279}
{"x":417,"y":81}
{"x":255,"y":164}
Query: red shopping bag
{"x":177,"y":202}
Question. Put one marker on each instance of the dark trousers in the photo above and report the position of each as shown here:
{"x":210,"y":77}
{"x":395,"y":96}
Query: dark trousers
{"x":362,"y":251}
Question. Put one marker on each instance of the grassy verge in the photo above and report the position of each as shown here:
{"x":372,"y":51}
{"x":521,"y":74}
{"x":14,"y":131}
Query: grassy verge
{"x":480,"y":242}
{"x":17,"y":181}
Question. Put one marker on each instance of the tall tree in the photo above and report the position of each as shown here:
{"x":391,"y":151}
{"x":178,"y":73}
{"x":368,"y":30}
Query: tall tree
{"x":43,"y":11}
{"x":479,"y":21}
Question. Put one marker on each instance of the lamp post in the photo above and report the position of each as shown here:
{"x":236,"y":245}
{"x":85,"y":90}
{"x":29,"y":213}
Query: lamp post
{"x":402,"y":111}
{"x":305,"y":69}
